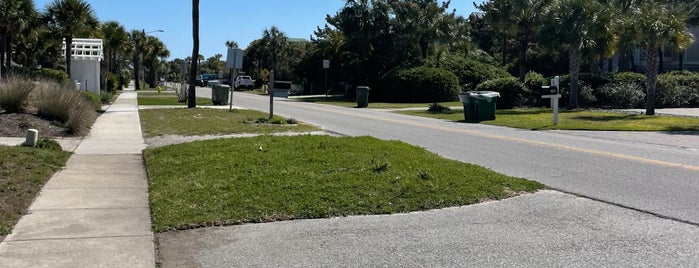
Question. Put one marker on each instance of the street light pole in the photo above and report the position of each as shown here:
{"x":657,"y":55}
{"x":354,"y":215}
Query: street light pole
{"x":139,"y":51}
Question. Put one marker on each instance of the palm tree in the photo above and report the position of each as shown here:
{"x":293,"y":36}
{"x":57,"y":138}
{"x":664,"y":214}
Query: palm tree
{"x":116,"y":43}
{"x":580,"y":27}
{"x":420,"y":23}
{"x":116,"y":46}
{"x":330,"y":45}
{"x":15,"y":17}
{"x":652,"y":25}
{"x":276,"y":43}
{"x":153,"y":49}
{"x":191,"y":92}
{"x":520,"y":19}
{"x":138,"y":40}
{"x":70,"y":17}
{"x":231,"y":44}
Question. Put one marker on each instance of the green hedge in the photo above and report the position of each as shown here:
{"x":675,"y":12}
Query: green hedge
{"x":93,"y":99}
{"x":419,"y":84}
{"x":58,"y":76}
{"x":113,"y":83}
{"x":472,"y":72}
{"x":512,"y":92}
{"x":677,"y":89}
{"x":534,"y":81}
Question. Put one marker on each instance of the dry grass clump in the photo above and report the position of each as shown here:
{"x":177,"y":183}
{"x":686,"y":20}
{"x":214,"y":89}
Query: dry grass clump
{"x":14,"y":92}
{"x":51,"y":101}
{"x":64,"y":104}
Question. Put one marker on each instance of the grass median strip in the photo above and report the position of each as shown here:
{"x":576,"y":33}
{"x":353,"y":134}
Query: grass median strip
{"x":268,"y":178}
{"x":153,"y":98}
{"x":541,"y":119}
{"x":203,"y":121}
{"x":23,"y":172}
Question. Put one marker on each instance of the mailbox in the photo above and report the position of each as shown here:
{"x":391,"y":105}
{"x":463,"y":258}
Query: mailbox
{"x":548,"y":90}
{"x":281,"y":89}
{"x":281,"y":85}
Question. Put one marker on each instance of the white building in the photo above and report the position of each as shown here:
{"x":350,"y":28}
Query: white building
{"x":86,"y":55}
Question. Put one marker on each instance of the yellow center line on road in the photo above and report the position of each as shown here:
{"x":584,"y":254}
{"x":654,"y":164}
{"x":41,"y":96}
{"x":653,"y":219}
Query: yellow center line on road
{"x":505,"y":138}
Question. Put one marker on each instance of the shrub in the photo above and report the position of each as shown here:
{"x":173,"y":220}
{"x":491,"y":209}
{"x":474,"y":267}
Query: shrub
{"x":48,"y":144}
{"x":621,"y":94}
{"x":630,"y":77}
{"x":471,"y":72}
{"x":113,"y":83}
{"x":106,"y":97}
{"x":534,"y":81}
{"x":14,"y":92}
{"x":437,"y":108}
{"x":66,"y":105}
{"x":512,"y":92}
{"x":419,"y":84}
{"x":677,"y":89}
{"x":93,"y":99}
{"x":596,"y":80}
{"x":58,"y":76}
{"x":43,"y":74}
{"x":587,"y":96}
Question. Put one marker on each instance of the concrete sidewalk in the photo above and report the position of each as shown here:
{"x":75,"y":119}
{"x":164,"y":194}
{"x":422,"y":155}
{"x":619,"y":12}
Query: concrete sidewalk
{"x":94,"y":212}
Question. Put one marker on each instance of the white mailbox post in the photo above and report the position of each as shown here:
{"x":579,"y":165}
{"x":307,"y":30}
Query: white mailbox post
{"x":554,"y":95}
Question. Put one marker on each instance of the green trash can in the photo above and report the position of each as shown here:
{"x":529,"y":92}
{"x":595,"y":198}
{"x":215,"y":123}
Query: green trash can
{"x":479,"y":105}
{"x":219,"y":94}
{"x":363,"y":96}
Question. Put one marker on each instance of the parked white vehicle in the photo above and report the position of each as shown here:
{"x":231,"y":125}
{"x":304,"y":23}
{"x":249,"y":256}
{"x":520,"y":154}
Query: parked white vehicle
{"x":243,"y":81}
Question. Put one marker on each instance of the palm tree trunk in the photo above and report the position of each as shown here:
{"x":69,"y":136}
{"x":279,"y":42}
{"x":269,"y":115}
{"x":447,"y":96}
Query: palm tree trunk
{"x":681,"y":65}
{"x":651,"y":75}
{"x":504,"y":50}
{"x":192,"y":90}
{"x":661,"y":66}
{"x":8,"y":50}
{"x":136,"y":68}
{"x":575,"y":58}
{"x":3,"y":40}
{"x":69,"y":53}
{"x":523,"y":45}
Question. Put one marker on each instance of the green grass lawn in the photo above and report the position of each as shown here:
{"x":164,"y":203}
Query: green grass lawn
{"x":268,"y":178}
{"x":203,"y":121}
{"x":345,"y":102}
{"x":166,"y":98}
{"x":24,"y":171}
{"x":540,"y":119}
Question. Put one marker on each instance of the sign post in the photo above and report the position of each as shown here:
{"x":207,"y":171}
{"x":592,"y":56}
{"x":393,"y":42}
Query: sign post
{"x":270,"y":88}
{"x":326,"y":66}
{"x":234,"y":61}
{"x":264,"y":74}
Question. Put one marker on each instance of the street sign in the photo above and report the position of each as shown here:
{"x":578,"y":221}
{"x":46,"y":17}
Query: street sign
{"x":326,"y":64}
{"x":264,"y":74}
{"x":234,"y":59}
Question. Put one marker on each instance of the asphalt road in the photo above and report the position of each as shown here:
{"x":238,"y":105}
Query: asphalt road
{"x":646,"y":175}
{"x":648,"y":183}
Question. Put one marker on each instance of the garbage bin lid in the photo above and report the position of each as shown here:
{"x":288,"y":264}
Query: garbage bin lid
{"x":483,"y":94}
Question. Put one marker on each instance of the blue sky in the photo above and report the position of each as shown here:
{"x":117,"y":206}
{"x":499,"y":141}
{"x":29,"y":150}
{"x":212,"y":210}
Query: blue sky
{"x":221,"y":20}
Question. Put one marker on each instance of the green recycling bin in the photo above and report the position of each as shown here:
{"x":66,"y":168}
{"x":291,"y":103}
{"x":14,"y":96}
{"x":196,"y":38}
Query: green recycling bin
{"x":363,"y":96}
{"x":479,"y":105}
{"x":219,"y":94}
